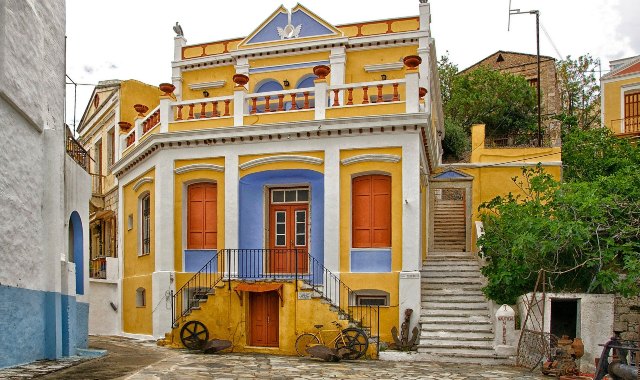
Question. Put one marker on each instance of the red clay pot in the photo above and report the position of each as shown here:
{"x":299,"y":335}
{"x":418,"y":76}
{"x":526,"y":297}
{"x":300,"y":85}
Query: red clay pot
{"x":422,"y":92}
{"x":412,"y":61}
{"x":167,"y":88}
{"x":140,"y":109}
{"x":321,"y":71}
{"x":240,"y":79}
{"x":124,"y":126}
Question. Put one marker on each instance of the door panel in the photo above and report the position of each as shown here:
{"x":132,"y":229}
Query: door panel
{"x":288,"y":231}
{"x":264,"y":310}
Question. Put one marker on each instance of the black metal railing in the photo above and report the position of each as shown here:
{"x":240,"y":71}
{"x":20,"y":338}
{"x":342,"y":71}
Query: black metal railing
{"x":275,"y":264}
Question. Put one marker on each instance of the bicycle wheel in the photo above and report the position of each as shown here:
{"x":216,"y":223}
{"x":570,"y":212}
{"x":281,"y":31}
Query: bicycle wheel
{"x":355,"y":340}
{"x":305,"y":341}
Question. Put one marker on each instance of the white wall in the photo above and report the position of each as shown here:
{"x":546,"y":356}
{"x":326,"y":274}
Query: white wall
{"x":103,"y":320}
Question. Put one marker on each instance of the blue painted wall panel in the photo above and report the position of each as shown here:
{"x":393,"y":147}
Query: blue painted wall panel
{"x":371,"y":261}
{"x":252,"y":213}
{"x":195,"y":259}
{"x":82,"y":325}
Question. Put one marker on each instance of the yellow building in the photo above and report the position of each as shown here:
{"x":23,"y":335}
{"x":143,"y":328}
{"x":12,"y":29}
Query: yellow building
{"x":102,"y":123}
{"x":620,"y":97}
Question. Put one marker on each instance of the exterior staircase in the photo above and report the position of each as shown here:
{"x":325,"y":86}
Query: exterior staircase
{"x":449,"y":225}
{"x":456,"y":325}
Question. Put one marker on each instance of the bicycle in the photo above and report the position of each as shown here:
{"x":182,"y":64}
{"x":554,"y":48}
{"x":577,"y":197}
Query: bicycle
{"x":354,"y":339}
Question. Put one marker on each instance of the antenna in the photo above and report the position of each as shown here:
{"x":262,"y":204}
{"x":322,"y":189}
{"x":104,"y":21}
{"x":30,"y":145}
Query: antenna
{"x":509,"y":22}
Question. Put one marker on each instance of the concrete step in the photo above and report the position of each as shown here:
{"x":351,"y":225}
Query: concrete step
{"x":445,"y":292}
{"x":442,"y":313}
{"x":455,"y":298}
{"x":458,"y":263}
{"x":435,"y":305}
{"x":479,"y":336}
{"x":426,"y":354}
{"x":431,"y":288}
{"x":432,"y":274}
{"x":443,"y":246}
{"x":446,"y":350}
{"x":453,"y":280}
{"x":458,"y":344}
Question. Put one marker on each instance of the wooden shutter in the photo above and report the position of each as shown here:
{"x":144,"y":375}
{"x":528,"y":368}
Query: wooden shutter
{"x":202,"y":229}
{"x":371,"y":207}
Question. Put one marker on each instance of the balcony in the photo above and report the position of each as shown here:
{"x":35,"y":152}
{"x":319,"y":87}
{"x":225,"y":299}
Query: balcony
{"x":104,"y":268}
{"x":321,"y":102}
{"x":75,"y":150}
{"x":628,"y":127}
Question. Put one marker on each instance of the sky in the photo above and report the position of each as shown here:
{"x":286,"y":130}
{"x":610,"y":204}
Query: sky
{"x":133,"y":39}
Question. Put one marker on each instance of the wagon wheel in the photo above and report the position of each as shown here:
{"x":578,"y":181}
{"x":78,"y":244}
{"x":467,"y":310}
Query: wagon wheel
{"x":355,"y":341}
{"x":194,"y":335}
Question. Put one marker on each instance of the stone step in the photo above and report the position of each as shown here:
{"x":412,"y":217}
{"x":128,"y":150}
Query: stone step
{"x":431,"y":288}
{"x":452,"y":280}
{"x":436,"y":305}
{"x":426,"y":354}
{"x":480,"y":336}
{"x":427,"y":290}
{"x":443,"y":313}
{"x":460,"y":262}
{"x":448,"y":246}
{"x":440,"y":271}
{"x":446,"y":350}
{"x":486,"y":344}
{"x":454,"y":322}
{"x":432,"y":274}
{"x":452,"y":298}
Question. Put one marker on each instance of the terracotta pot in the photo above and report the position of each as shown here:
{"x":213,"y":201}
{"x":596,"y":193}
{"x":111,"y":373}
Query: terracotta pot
{"x":412,"y":61}
{"x":422,"y":92}
{"x":240,"y":79}
{"x":321,"y":71}
{"x":124,"y":126}
{"x":140,"y":109}
{"x":578,"y":347}
{"x":167,"y":88}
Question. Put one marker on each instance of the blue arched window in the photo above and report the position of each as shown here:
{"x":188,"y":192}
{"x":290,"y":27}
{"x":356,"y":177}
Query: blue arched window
{"x":267,"y":85}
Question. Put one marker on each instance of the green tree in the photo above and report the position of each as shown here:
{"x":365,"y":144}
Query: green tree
{"x":579,"y":91}
{"x":503,"y":102}
{"x":447,"y":70}
{"x":585,"y":233}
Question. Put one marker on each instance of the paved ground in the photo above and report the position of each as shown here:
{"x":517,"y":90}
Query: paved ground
{"x":129,"y":359}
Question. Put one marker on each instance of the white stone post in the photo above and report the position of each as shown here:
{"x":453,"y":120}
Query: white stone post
{"x":176,"y":75}
{"x":231,"y":210}
{"x":425,"y":16}
{"x":321,"y":89}
{"x":505,"y":331}
{"x":240,"y":107}
{"x":166,"y":116}
{"x":412,"y":97}
{"x":137,"y":125}
{"x":161,"y":286}
{"x":337,"y":61}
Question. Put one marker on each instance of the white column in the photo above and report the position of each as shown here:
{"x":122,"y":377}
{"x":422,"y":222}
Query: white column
{"x":332,"y":209}
{"x":163,"y":201}
{"x":242,"y":65}
{"x":240,"y":107}
{"x":412,"y":99}
{"x":231,"y":209}
{"x":321,"y":98}
{"x":425,"y":16}
{"x":161,"y":283}
{"x":176,"y":74}
{"x":166,"y":116}
{"x":137,"y":125}
{"x":116,"y":135}
{"x":409,"y":286}
{"x":120,"y":246}
{"x":337,"y":60}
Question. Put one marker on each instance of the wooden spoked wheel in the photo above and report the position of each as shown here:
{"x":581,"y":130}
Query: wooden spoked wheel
{"x":194,"y":335}
{"x":355,"y":340}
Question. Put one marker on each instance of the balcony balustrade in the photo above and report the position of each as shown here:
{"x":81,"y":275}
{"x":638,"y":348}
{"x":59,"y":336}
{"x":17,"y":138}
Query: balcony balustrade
{"x":323,"y":101}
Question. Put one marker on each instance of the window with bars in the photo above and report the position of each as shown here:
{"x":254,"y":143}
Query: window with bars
{"x":145,"y":233}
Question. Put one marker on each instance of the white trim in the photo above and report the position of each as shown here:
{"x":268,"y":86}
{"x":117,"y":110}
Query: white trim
{"x":391,"y":66}
{"x":371,"y":158}
{"x":281,"y":158}
{"x":204,"y":85}
{"x":518,"y":164}
{"x":141,"y":182}
{"x":194,"y":167}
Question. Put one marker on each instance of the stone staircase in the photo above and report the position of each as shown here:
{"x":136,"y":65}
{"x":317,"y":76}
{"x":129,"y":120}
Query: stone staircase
{"x":456,"y":325}
{"x":449,"y":225}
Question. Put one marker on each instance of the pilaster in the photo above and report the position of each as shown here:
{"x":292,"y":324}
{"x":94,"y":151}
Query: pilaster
{"x":332,"y":209}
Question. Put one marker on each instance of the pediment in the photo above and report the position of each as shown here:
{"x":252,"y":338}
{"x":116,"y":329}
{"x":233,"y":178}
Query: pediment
{"x":288,"y":26}
{"x":452,"y":175}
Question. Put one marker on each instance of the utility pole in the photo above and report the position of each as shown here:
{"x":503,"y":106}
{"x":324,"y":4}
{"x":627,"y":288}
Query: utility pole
{"x":537,"y":13}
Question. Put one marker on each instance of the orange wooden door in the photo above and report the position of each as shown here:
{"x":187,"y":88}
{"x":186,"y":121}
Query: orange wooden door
{"x":202,"y":230}
{"x":288,"y":233}
{"x":265,"y":319}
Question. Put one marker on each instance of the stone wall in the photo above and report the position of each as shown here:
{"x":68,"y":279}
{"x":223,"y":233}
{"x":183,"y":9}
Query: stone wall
{"x":626,"y":316}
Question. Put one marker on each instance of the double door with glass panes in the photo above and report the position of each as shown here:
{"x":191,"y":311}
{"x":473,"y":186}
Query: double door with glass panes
{"x":288,"y":230}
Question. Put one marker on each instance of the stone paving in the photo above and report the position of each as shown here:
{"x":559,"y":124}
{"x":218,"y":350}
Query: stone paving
{"x":132,"y":359}
{"x":253,"y":366}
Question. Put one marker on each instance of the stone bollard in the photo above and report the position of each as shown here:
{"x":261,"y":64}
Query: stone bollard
{"x":505,"y":332}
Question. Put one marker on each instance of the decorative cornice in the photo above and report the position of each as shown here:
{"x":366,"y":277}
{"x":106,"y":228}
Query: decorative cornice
{"x":141,"y":182}
{"x":371,"y":158}
{"x":194,"y":167}
{"x":205,"y":85}
{"x":281,"y":158}
{"x":391,"y":66}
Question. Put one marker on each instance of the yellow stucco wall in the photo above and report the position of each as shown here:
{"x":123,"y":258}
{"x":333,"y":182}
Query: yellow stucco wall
{"x":135,"y":319}
{"x":612,"y":111}
{"x":135,"y":92}
{"x":135,"y":265}
{"x":356,"y":60}
{"x":179,"y":206}
{"x":208,"y":75}
{"x":227,"y":316}
{"x":347,"y":173}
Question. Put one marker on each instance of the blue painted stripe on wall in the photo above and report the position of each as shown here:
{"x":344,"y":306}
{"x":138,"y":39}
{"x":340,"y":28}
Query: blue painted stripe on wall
{"x":252,"y":211}
{"x":371,"y":260}
{"x":33,"y":319}
{"x":287,"y":67}
{"x":195,"y":259}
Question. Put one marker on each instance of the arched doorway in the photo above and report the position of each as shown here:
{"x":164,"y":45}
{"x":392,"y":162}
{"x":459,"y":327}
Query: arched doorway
{"x":75,"y":254}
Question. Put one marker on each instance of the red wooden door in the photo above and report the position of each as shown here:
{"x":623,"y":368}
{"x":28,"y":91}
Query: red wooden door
{"x":288,"y":233}
{"x":264,"y":313}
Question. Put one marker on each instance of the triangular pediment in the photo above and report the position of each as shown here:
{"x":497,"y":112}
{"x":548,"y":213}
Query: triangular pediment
{"x":284,"y":26}
{"x":452,"y":174}
{"x":101,"y":94}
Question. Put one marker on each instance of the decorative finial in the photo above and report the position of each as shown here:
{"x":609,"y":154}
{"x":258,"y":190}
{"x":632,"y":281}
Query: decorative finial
{"x":178,"y":29}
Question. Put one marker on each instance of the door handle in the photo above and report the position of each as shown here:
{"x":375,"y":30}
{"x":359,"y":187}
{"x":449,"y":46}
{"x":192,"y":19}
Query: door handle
{"x":268,"y":320}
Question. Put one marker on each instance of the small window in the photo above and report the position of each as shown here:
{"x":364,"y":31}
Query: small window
{"x":145,"y":230}
{"x":369,"y":297}
{"x":141,"y":297}
{"x":281,"y":228}
{"x":290,"y":196}
{"x":130,"y":222}
{"x":111,"y":146}
{"x":301,"y":228}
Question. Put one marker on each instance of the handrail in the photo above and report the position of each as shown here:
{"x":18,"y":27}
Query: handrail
{"x":199,"y":101}
{"x":346,"y":86}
